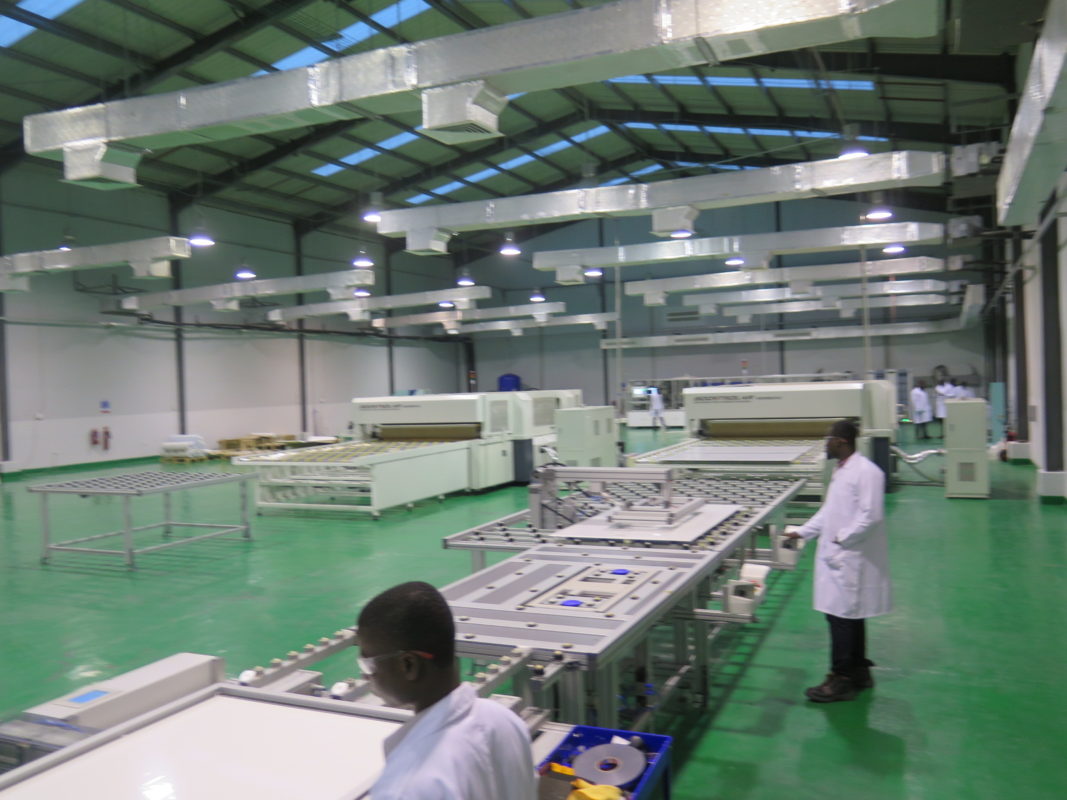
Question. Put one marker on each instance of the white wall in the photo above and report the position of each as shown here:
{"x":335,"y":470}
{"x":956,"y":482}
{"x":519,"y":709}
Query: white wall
{"x":65,"y":357}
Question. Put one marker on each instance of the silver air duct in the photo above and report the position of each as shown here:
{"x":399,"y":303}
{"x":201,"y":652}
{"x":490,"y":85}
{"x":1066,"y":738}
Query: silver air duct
{"x":100,"y":144}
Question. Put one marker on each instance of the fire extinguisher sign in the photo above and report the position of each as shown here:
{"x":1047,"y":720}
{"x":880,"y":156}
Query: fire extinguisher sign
{"x":105,"y":406}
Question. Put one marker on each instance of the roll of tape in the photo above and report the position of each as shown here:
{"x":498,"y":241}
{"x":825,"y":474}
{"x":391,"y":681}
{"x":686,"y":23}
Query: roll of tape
{"x":610,"y":764}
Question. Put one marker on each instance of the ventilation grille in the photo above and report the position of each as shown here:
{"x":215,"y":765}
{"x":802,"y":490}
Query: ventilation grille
{"x":681,"y":315}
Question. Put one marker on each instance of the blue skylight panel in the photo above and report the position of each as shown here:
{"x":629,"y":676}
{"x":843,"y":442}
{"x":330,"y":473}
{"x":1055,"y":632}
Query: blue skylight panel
{"x":347,"y":37}
{"x":326,"y":170}
{"x":418,"y":199}
{"x":12,"y":31}
{"x":360,"y":156}
{"x":555,"y":147}
{"x":518,"y":161}
{"x":773,"y":83}
{"x":477,"y":177}
{"x":615,"y":181}
{"x":647,"y":170}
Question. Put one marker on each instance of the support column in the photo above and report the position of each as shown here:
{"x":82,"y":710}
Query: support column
{"x":1022,"y":376}
{"x":179,"y":332}
{"x":1050,"y":482}
{"x":301,"y":339}
{"x":5,"y":413}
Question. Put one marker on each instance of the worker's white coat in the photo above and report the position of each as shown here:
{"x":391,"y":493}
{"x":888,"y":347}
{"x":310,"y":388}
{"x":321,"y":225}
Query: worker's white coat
{"x":920,"y":406}
{"x":461,"y":748}
{"x":655,"y":403}
{"x":944,"y":391}
{"x":852,"y":559}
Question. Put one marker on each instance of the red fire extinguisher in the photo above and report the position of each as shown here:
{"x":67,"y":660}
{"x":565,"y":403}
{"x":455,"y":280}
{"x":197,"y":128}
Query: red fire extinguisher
{"x":94,"y":437}
{"x":106,"y":439}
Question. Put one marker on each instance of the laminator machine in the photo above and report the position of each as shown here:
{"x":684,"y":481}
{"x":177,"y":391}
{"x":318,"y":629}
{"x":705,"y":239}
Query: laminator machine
{"x":416,"y":447}
{"x":767,"y":429}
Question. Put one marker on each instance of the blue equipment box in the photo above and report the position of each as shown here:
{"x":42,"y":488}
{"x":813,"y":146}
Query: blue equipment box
{"x":657,"y":748}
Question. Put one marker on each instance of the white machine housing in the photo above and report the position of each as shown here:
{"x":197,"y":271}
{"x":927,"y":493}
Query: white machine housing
{"x":871,"y":402}
{"x":586,"y":437}
{"x":966,"y":458}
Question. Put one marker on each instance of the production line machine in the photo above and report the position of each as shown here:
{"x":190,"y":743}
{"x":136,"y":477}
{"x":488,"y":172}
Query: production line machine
{"x":613,"y":580}
{"x":412,"y":448}
{"x":779,"y":429}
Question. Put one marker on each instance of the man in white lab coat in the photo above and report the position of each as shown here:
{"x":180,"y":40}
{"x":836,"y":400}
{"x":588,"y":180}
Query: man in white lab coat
{"x":458,"y":746}
{"x":655,"y":405}
{"x":851,"y":563}
{"x":943,"y":391}
{"x":920,"y":409}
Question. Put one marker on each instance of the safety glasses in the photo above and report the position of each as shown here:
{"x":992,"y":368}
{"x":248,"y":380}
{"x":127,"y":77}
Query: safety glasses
{"x":367,"y":663}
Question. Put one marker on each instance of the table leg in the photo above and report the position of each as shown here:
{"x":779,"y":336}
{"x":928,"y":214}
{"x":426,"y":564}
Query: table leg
{"x":127,"y":533}
{"x":477,"y":560}
{"x":166,"y":515}
{"x":245,"y":508}
{"x":46,"y":533}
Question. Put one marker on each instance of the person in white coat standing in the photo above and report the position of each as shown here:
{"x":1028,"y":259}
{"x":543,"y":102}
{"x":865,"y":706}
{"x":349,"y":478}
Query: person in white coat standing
{"x":943,"y":391}
{"x":655,"y":405}
{"x":458,"y":745}
{"x":851,"y":563}
{"x":920,"y":409}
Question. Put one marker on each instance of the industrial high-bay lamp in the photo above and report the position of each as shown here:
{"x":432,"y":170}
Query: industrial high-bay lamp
{"x":676,"y":222}
{"x":509,"y":247}
{"x":537,"y":296}
{"x":362,"y":260}
{"x":373,"y":212}
{"x":244,"y":272}
{"x":464,"y":278}
{"x":361,"y":291}
{"x":199,"y":237}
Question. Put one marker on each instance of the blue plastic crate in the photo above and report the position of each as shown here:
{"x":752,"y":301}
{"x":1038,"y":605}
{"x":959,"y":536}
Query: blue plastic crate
{"x":582,"y":737}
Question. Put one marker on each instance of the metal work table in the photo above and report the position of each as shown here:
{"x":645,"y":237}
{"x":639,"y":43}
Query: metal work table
{"x":139,"y":484}
{"x":758,"y":497}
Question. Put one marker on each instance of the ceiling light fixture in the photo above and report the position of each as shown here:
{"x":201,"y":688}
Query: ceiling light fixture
{"x":509,"y":247}
{"x":362,"y":260}
{"x":446,"y":304}
{"x":681,"y":233}
{"x":853,"y":150}
{"x":736,"y":261}
{"x":893,"y":249}
{"x":66,"y":244}
{"x":373,"y":211}
{"x":464,"y":279}
{"x":537,"y":296}
{"x":201,"y":238}
{"x":593,"y":272}
{"x":878,"y":214}
{"x":361,"y":291}
{"x":244,"y":273}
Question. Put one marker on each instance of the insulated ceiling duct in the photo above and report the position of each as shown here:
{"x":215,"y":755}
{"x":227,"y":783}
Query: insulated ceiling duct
{"x":846,"y":307}
{"x":428,"y":228}
{"x":101,"y":144}
{"x":359,"y":310}
{"x":598,"y":321}
{"x":810,"y":292}
{"x":969,"y":313}
{"x":149,"y":258}
{"x":756,"y":249}
{"x":446,"y":318}
{"x":1036,"y":154}
{"x":227,"y":296}
{"x":655,"y":290}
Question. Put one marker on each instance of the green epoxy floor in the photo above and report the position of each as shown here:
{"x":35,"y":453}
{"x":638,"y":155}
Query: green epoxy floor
{"x":971,"y":700}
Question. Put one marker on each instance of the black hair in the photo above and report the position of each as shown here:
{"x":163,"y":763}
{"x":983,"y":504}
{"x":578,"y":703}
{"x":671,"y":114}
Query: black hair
{"x":413,"y":616}
{"x":846,"y":429}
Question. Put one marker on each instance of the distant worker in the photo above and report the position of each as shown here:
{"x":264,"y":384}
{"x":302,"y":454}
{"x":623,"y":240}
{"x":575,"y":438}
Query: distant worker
{"x":942,"y":392}
{"x":920,"y":410}
{"x":966,"y":392}
{"x":458,"y":746}
{"x":655,"y":405}
{"x":851,"y":563}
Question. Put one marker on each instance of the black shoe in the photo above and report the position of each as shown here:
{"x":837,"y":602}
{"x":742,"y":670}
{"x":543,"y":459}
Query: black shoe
{"x":864,"y":680}
{"x":832,"y":690}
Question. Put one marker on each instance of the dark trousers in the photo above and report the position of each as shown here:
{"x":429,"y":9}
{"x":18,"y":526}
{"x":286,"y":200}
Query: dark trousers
{"x":848,"y":647}
{"x":920,"y":431}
